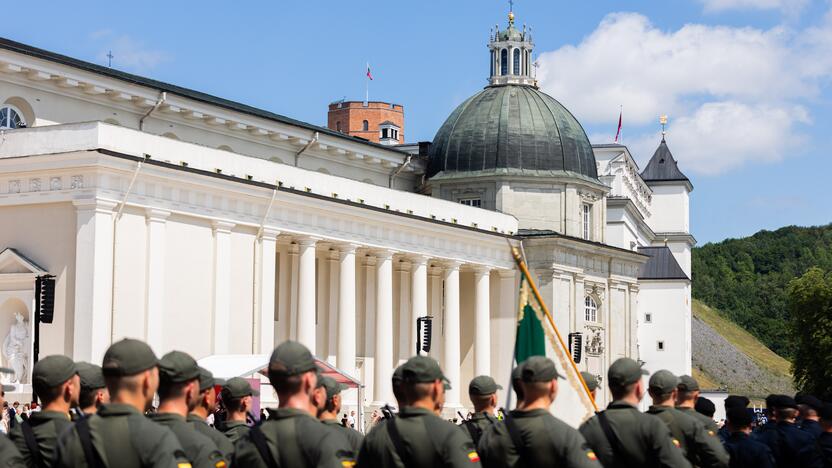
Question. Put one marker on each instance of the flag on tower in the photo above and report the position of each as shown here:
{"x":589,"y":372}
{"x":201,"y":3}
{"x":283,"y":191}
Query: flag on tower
{"x":618,"y":132}
{"x":369,"y":75}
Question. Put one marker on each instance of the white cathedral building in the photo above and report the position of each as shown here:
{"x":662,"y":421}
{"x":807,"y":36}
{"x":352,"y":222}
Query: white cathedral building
{"x":206,"y":225}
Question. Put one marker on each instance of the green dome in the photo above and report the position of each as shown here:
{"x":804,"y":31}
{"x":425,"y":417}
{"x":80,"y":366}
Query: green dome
{"x":512,"y":129}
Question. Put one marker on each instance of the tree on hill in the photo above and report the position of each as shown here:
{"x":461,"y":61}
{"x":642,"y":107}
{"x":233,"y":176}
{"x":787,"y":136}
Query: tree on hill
{"x":810,"y":308}
{"x":747,"y":278}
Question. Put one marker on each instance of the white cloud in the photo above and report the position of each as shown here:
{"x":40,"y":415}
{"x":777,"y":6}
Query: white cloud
{"x":128,"y":53}
{"x":733,"y":94}
{"x":789,"y":6}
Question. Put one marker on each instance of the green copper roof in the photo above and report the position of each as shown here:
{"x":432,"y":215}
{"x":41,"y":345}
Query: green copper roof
{"x":511,"y":127}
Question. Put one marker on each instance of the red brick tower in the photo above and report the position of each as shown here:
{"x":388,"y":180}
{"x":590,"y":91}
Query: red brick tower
{"x":379,"y":122}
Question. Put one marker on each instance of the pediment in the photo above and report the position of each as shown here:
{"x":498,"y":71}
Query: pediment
{"x":12,"y":262}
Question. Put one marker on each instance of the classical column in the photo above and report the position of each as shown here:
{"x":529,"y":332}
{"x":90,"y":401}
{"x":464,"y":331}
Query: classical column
{"x":93,"y":279}
{"x":268,"y":256}
{"x":284,"y":305}
{"x":384,"y":328}
{"x":306,"y":292}
{"x":418,"y":297}
{"x":405,"y":327}
{"x":222,"y":286}
{"x":450,"y":361}
{"x":155,"y":302}
{"x":482,"y":321}
{"x":346,"y":310}
{"x":503,"y":327}
{"x":333,"y":296}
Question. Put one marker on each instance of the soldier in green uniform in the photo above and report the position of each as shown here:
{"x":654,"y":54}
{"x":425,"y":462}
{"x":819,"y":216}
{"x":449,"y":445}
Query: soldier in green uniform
{"x":207,"y":404}
{"x":119,"y":435}
{"x":178,"y":395}
{"x":10,"y":457}
{"x":686,"y":402}
{"x":531,"y":436}
{"x":621,"y":435}
{"x":292,"y":437}
{"x":396,"y":381}
{"x":699,"y":447}
{"x":330,"y":406}
{"x":93,"y":388}
{"x":237,"y":396}
{"x":591,"y":384}
{"x":482,"y":390}
{"x":517,"y":384}
{"x":417,"y":436}
{"x":55,"y":380}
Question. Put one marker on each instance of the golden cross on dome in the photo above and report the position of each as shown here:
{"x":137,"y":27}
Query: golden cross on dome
{"x":663,"y":122}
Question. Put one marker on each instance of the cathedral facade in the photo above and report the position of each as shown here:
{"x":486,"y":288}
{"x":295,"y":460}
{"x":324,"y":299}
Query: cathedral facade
{"x":205,"y":225}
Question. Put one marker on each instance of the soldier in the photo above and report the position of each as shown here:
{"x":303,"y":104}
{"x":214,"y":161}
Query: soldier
{"x":745,"y":452}
{"x":396,"y":381}
{"x":10,"y":457}
{"x":178,"y":395}
{"x":700,"y":448}
{"x":93,"y":388}
{"x":790,"y":445}
{"x":591,"y":384}
{"x":119,"y":435}
{"x":532,"y":436}
{"x":207,"y":404}
{"x":810,"y":406}
{"x":237,"y":396}
{"x":55,"y":380}
{"x":292,"y":437}
{"x":516,"y":384}
{"x":417,"y":436}
{"x":621,"y":435}
{"x":731,"y":401}
{"x":825,"y":439}
{"x":483,"y":394}
{"x":331,"y":406}
{"x":686,"y":401}
{"x":705,"y":407}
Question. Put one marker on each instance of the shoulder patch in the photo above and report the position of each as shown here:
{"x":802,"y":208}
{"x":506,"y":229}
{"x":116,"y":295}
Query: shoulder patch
{"x":711,"y":433}
{"x":348,"y":463}
{"x":220,"y":464}
{"x":591,"y":455}
{"x":676,"y":442}
{"x":473,"y":456}
{"x":183,"y":465}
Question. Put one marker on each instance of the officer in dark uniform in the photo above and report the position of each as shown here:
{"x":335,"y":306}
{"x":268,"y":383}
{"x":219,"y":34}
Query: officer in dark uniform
{"x":700,"y":448}
{"x":705,"y":407}
{"x":206,"y":405}
{"x":119,"y":435}
{"x":731,"y":401}
{"x":330,"y":407}
{"x":810,"y":406}
{"x":621,"y":435}
{"x":178,"y":394}
{"x":790,"y":445}
{"x":93,"y":388}
{"x":771,"y":417}
{"x":482,"y":390}
{"x":532,"y":436}
{"x":417,"y":437}
{"x":688,"y":393}
{"x":591,"y":384}
{"x":237,"y":396}
{"x":745,"y":452}
{"x":825,"y":438}
{"x":55,"y":380}
{"x":9,"y":455}
{"x":292,"y":437}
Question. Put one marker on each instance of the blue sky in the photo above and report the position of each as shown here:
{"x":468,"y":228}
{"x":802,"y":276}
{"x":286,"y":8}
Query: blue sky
{"x":745,"y":82}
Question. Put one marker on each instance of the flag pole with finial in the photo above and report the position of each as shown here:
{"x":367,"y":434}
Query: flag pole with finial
{"x":663,"y":122}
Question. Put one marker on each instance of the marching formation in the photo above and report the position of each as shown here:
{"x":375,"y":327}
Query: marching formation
{"x":102,"y":417}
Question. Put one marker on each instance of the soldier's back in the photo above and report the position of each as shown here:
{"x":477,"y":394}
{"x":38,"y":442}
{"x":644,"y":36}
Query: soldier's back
{"x":709,"y":423}
{"x":545,"y":441}
{"x":791,"y":446}
{"x":747,"y":452}
{"x":10,"y":457}
{"x":200,"y":450}
{"x":700,"y":446}
{"x":120,"y":436}
{"x":293,"y":438}
{"x":46,"y":426}
{"x":644,"y":440}
{"x":353,"y":437}
{"x":222,"y":442}
{"x":825,"y":443}
{"x":235,"y":430}
{"x":478,"y":425}
{"x":426,"y":439}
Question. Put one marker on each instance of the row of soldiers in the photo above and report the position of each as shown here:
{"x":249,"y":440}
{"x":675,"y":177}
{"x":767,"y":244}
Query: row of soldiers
{"x":303,"y":431}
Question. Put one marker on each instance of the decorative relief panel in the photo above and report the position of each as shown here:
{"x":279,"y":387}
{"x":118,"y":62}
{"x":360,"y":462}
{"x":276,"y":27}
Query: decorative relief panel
{"x":34,"y":184}
{"x":14,"y":186}
{"x":55,"y":183}
{"x":594,"y":340}
{"x":77,"y":182}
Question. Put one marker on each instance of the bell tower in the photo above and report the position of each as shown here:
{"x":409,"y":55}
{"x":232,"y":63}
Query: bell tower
{"x":511,"y":55}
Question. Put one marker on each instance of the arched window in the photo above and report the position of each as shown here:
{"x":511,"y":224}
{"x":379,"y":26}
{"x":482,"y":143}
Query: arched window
{"x":337,"y":126}
{"x":504,"y":62}
{"x":492,"y":63}
{"x":516,"y":61}
{"x":590,"y":309}
{"x":10,"y":117}
{"x":365,"y":126}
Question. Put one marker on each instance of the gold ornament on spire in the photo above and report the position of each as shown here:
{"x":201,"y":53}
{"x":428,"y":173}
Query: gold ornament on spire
{"x":663,"y":122}
{"x":511,"y":13}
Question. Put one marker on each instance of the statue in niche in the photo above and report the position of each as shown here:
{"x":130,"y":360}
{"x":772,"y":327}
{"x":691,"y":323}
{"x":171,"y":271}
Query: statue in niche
{"x":16,"y":349}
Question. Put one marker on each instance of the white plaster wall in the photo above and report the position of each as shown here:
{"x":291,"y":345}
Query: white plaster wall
{"x":534,"y":206}
{"x":130,"y":279}
{"x":670,"y":208}
{"x":242,"y":290}
{"x":669,"y":305}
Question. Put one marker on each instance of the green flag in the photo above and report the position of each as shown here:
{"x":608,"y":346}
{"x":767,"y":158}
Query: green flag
{"x":530,"y":339}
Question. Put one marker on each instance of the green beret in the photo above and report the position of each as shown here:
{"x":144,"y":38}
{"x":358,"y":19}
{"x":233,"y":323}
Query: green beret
{"x":688,"y":384}
{"x":663,"y":381}
{"x":539,"y":369}
{"x":291,"y":358}
{"x":421,"y":369}
{"x":624,"y":371}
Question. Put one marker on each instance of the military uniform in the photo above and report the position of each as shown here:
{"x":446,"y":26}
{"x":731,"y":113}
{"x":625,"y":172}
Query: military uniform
{"x":792,"y":446}
{"x":478,"y":424}
{"x":234,"y":389}
{"x":10,"y":457}
{"x":200,"y":450}
{"x":481,"y":421}
{"x":235,"y":430}
{"x":747,"y":452}
{"x":812,"y":427}
{"x":709,"y":423}
{"x":225,"y":446}
{"x":825,"y":443}
{"x":332,"y":389}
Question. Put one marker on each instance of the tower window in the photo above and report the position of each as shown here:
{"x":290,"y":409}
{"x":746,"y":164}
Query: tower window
{"x":504,"y":62}
{"x":590,"y":309}
{"x":337,"y":126}
{"x":475,"y":202}
{"x":660,"y":345}
{"x":587,"y":219}
{"x":648,"y":318}
{"x":516,"y":61}
{"x":365,"y":125}
{"x":11,"y":118}
{"x":384,"y":133}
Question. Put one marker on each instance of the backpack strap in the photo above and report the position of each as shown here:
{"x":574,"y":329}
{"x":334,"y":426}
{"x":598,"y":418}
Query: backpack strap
{"x":619,"y":454}
{"x":473,"y":430}
{"x":396,"y":438}
{"x":83,"y":429}
{"x":517,"y":440}
{"x":259,"y":441}
{"x":31,"y":444}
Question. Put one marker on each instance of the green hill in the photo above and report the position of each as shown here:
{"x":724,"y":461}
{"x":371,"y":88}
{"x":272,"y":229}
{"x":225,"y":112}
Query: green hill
{"x":745,"y":279}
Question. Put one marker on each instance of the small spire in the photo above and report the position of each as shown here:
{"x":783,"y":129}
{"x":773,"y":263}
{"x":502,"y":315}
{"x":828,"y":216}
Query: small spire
{"x":663,"y":122}
{"x":511,"y":13}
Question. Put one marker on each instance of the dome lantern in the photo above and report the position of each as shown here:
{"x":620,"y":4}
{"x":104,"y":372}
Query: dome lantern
{"x":511,"y":55}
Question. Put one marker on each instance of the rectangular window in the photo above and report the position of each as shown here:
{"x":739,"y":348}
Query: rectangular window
{"x":384,"y":133}
{"x":660,"y":345}
{"x":475,"y":202}
{"x":587,"y":218}
{"x":648,"y":318}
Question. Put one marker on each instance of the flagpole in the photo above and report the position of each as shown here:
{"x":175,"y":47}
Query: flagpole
{"x":522,"y":266}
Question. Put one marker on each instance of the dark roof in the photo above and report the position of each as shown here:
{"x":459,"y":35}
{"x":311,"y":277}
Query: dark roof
{"x":511,"y":127}
{"x":661,"y":265}
{"x":18,"y":47}
{"x":662,"y":166}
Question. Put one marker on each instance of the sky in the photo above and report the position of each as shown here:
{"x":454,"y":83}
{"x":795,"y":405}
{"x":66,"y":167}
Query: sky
{"x":745,"y":83}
